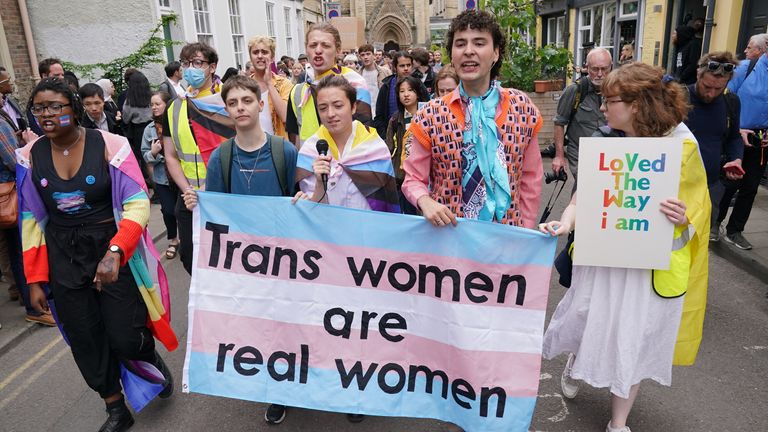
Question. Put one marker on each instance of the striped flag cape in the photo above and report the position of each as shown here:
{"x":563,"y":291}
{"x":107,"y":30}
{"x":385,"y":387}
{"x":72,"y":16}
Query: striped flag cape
{"x":210,"y":123}
{"x":368,"y":163}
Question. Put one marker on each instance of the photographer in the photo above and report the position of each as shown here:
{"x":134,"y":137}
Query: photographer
{"x":579,"y":111}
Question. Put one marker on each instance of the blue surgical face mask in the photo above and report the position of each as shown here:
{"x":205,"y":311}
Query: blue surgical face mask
{"x":195,"y":77}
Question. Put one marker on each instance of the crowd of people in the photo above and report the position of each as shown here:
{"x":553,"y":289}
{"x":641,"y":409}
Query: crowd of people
{"x":453,"y":142}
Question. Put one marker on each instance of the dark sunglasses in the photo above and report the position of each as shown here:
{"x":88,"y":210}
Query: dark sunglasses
{"x":718,"y":67}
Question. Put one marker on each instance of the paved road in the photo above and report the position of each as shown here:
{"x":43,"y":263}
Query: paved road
{"x":727,"y":389}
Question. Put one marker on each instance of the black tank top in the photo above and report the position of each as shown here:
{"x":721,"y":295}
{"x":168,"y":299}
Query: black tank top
{"x":84,"y":199}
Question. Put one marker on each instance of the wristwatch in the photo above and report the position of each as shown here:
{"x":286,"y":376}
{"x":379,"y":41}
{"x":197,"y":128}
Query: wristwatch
{"x":116,"y":249}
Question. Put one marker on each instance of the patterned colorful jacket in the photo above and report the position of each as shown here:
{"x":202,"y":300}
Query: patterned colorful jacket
{"x":130,"y":203}
{"x":434,"y":164}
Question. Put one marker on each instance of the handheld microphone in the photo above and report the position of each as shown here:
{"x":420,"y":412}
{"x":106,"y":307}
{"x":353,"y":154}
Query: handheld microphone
{"x":322,"y":149}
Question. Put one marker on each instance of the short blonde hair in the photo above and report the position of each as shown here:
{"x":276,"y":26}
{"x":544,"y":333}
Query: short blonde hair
{"x":325,"y":28}
{"x":266,"y":40}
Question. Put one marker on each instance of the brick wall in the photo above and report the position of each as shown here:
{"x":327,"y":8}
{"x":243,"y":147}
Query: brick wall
{"x":547,"y":104}
{"x":17,"y":45}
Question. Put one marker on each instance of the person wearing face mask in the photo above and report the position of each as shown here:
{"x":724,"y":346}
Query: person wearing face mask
{"x":193,"y":127}
{"x":323,"y":45}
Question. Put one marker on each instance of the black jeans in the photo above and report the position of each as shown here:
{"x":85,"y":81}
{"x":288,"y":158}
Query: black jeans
{"x":754,"y":163}
{"x":184,"y":220}
{"x":168,"y":196}
{"x":102,"y":327}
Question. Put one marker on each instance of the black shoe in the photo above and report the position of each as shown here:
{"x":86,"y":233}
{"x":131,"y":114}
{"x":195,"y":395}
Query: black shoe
{"x":738,"y":240}
{"x":355,"y":418}
{"x":275,"y":414}
{"x":119,"y":420}
{"x":163,"y":368}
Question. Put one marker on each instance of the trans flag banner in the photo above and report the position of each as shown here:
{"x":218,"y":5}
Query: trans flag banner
{"x":336,"y":309}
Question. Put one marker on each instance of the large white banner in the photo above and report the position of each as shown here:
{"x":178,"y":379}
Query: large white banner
{"x":329,"y":308}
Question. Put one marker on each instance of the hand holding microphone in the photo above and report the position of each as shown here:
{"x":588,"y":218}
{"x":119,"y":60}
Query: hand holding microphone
{"x":322,"y":165}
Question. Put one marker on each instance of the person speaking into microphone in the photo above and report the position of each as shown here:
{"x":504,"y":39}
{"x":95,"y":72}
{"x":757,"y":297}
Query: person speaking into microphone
{"x":344,"y":158}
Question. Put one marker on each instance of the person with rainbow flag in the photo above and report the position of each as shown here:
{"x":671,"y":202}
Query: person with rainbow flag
{"x":88,"y":256}
{"x":193,"y":127}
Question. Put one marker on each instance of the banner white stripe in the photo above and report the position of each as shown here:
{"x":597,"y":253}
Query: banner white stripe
{"x":481,"y":328}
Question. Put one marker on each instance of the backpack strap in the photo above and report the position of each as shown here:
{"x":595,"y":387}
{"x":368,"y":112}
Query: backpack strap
{"x":582,"y":87}
{"x":225,"y":155}
{"x":751,"y":67}
{"x":278,"y":160}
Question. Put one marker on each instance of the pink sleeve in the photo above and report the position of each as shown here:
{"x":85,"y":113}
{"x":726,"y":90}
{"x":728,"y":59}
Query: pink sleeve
{"x":530,"y":183}
{"x":416,"y":167}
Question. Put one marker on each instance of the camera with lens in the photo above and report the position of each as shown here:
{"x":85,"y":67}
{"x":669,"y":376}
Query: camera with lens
{"x":551,"y":176}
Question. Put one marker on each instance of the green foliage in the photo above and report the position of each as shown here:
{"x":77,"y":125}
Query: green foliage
{"x":555,"y":62}
{"x":150,"y":52}
{"x":517,"y":19}
{"x":523,"y":62}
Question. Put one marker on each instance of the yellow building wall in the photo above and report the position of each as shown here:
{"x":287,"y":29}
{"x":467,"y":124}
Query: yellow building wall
{"x":571,"y":44}
{"x":539,"y":31}
{"x":654,"y":20}
{"x":725,"y":33}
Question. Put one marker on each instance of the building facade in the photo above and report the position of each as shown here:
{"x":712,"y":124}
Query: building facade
{"x":15,"y":55}
{"x":87,"y":32}
{"x":228,"y":24}
{"x":647,"y":25}
{"x":393,"y":23}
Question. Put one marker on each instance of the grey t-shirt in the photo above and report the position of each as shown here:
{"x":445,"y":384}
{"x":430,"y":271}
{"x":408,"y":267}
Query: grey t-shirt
{"x":588,"y":117}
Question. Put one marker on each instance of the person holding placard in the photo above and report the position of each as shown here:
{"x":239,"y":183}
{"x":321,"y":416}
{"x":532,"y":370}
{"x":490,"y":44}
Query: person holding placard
{"x":623,"y":325}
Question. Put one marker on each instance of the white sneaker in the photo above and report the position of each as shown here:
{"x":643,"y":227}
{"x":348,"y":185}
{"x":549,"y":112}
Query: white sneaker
{"x":569,"y":385}
{"x":611,"y":429}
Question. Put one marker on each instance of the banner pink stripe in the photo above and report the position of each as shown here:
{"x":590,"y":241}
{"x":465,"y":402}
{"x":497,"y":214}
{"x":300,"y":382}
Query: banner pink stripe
{"x":516,"y":373}
{"x":334,"y":269}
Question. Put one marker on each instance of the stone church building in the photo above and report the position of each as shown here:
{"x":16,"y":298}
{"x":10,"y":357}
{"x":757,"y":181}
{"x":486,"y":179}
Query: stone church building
{"x":394,"y":23}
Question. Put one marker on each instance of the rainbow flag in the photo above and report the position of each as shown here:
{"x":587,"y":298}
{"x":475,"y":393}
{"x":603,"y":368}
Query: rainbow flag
{"x":355,"y":311}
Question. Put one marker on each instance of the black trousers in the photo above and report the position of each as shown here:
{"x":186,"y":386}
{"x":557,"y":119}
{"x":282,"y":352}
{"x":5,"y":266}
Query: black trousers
{"x":168,"y":195}
{"x":754,"y":163}
{"x":101,"y":327}
{"x":184,"y":220}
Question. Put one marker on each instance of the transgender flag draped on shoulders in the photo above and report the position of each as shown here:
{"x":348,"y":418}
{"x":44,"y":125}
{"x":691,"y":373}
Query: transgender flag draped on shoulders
{"x":130,"y":203}
{"x":368,"y":163}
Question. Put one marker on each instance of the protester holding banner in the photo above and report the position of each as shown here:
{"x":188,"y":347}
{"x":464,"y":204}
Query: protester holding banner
{"x":620,"y":325}
{"x":192,"y":128}
{"x":84,"y":211}
{"x":323,"y":44}
{"x":359,"y":161}
{"x":491,"y":170}
{"x":250,"y":156}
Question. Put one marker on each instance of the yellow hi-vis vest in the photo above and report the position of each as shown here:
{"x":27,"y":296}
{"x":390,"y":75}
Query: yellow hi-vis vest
{"x":687,"y":240}
{"x":186,"y":148}
{"x":306,"y":114}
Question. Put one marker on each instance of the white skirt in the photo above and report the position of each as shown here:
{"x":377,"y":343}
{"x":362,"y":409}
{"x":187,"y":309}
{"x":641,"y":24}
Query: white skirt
{"x":620,"y":330}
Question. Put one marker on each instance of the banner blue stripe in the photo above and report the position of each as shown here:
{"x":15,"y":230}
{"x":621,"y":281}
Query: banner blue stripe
{"x":275,"y":216}
{"x":321,"y":383}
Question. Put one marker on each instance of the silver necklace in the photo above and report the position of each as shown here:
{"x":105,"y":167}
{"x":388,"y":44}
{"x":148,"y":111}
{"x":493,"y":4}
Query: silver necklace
{"x":248,"y":172}
{"x":65,"y":152}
